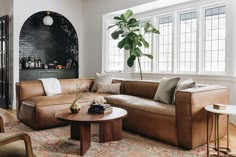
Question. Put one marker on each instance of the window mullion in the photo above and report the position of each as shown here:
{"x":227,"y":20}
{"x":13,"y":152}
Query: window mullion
{"x":175,"y":41}
{"x":154,"y":47}
{"x":199,"y":43}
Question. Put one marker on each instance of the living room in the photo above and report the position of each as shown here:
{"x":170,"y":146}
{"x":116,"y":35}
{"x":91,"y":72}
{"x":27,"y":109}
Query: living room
{"x":211,"y":21}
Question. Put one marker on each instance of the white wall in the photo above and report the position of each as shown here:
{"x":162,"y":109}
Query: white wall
{"x":23,"y":9}
{"x":2,"y":7}
{"x":92,"y":32}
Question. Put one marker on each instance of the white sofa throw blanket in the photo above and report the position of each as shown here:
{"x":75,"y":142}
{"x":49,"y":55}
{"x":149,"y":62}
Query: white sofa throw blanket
{"x":51,"y":86}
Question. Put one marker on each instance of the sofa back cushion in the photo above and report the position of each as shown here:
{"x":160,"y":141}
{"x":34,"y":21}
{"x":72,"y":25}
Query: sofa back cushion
{"x":28,"y":89}
{"x":76,"y":85}
{"x":122,"y":85}
{"x":145,"y":89}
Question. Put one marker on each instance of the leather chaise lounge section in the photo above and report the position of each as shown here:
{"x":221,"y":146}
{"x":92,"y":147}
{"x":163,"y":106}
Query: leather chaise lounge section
{"x":182,"y":124}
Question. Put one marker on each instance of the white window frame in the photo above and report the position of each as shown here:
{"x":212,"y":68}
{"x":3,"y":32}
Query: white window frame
{"x":157,"y":17}
{"x":203,"y":8}
{"x":106,"y":49}
{"x":178,"y":40}
{"x":150,"y":18}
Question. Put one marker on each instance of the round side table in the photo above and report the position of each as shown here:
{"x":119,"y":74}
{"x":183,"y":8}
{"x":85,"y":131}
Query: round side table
{"x":229,"y":110}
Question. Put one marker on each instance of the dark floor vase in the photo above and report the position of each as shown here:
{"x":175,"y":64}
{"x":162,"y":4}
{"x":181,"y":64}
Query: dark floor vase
{"x":4,"y":61}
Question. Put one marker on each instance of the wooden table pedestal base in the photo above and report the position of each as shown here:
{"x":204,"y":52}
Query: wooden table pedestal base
{"x":108,"y":131}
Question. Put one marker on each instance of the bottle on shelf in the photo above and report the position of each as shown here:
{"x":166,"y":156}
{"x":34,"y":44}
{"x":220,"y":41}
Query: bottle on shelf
{"x":32,"y":62}
{"x":29,"y":62}
{"x":26,"y":62}
{"x":36,"y":62}
{"x":39,"y":63}
{"x":20,"y":63}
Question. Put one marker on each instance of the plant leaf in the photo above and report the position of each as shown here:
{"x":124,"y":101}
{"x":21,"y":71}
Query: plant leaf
{"x":140,"y":44}
{"x":135,"y":30}
{"x":145,"y":43}
{"x":120,"y":31}
{"x":115,"y":35}
{"x":110,"y":27}
{"x":122,"y":17}
{"x":127,"y":47}
{"x":156,"y":31}
{"x":128,"y":14}
{"x":122,"y":43}
{"x":117,"y":18}
{"x":132,"y":21}
{"x":130,"y":61}
{"x":146,"y":26}
{"x":137,"y":52}
{"x":148,"y":55}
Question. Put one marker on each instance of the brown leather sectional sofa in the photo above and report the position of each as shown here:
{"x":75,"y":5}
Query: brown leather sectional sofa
{"x":182,"y":124}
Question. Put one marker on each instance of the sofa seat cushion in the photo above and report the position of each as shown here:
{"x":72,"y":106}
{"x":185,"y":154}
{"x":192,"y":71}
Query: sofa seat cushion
{"x":61,"y":99}
{"x":141,"y":104}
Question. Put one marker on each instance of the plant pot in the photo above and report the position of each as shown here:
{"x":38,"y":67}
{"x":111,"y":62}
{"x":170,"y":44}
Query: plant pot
{"x":75,"y":107}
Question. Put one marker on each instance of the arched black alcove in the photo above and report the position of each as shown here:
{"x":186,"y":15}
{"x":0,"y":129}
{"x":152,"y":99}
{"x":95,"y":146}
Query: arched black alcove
{"x":58,"y":42}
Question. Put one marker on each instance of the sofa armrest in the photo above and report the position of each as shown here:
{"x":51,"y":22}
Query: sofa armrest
{"x":27,"y":89}
{"x":191,"y":115}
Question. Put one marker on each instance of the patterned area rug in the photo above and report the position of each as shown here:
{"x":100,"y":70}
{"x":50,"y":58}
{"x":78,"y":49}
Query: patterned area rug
{"x":56,"y":143}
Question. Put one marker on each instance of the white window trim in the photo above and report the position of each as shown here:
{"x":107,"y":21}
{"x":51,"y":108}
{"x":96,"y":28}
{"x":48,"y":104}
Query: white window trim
{"x":105,"y":48}
{"x":150,"y":18}
{"x":156,"y":42}
{"x":178,"y":40}
{"x":203,"y":23}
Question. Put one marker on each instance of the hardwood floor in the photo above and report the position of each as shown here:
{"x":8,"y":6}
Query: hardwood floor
{"x":232,"y":139}
{"x":9,"y":115}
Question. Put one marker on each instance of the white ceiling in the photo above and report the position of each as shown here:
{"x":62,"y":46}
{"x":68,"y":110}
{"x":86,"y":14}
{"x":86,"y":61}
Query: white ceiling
{"x":152,"y":6}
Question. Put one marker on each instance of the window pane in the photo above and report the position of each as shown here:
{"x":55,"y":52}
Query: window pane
{"x":187,"y":53}
{"x":215,"y":39}
{"x":116,"y":55}
{"x":165,"y":44}
{"x":146,"y":63}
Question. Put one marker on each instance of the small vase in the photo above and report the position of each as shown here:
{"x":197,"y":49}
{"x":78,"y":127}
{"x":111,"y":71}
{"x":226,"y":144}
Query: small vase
{"x":75,"y":107}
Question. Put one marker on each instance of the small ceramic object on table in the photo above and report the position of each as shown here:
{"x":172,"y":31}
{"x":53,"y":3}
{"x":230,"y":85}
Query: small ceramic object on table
{"x":75,"y":107}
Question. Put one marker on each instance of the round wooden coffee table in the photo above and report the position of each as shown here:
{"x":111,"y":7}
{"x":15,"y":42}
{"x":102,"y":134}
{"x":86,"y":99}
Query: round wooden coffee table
{"x":110,"y":125}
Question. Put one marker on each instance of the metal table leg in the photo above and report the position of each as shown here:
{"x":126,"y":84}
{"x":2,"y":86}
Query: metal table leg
{"x":215,"y":132}
{"x":207,"y":134}
{"x":218,"y":135}
{"x":228,"y":132}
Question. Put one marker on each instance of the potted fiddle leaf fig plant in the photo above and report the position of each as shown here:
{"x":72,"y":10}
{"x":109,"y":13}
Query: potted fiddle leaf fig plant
{"x":130,"y":36}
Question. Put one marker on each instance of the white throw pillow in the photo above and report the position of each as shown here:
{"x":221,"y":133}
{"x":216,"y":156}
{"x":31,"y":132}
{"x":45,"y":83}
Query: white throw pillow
{"x":101,"y":78}
{"x":189,"y":83}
